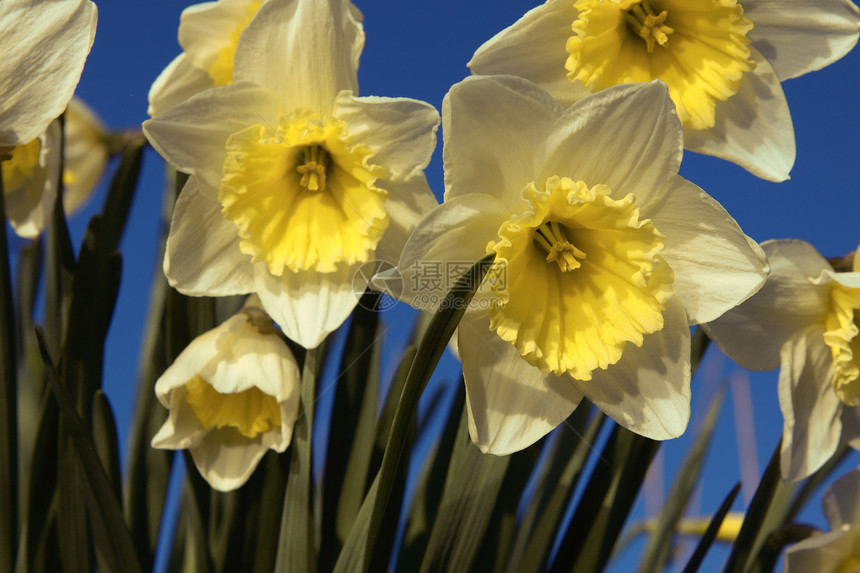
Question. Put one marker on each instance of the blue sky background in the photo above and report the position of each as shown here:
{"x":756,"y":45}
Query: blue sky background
{"x":418,"y":49}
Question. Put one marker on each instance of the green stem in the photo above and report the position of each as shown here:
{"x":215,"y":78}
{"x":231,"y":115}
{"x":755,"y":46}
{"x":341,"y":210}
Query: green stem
{"x":8,"y":407}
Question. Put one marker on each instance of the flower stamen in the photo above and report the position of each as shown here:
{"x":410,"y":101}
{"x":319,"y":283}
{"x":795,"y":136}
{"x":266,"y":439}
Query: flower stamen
{"x":649,"y":26}
{"x":552,"y":240}
{"x":313,"y":170}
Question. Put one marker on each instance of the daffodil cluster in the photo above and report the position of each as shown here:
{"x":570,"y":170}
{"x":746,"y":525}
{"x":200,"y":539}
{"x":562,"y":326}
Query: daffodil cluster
{"x":580,"y":274}
{"x":567,"y":175}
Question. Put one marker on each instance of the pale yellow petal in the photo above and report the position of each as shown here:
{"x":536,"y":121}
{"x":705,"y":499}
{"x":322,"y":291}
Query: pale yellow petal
{"x":511,"y":404}
{"x":810,"y":409}
{"x":44,"y":47}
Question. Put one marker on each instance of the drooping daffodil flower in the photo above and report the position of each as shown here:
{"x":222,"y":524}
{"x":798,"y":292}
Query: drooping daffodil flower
{"x":803,"y":321}
{"x":723,"y":61}
{"x":44,"y":46}
{"x":208,"y":33}
{"x":233,"y":394}
{"x":295,"y":181}
{"x":838,"y":550}
{"x":30,"y":175}
{"x":604,"y":256}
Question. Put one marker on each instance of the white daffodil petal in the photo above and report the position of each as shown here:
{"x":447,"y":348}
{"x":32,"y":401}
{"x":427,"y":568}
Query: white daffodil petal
{"x":311,"y":48}
{"x":308,"y":305}
{"x":752,"y":128}
{"x":407,"y":205}
{"x":401,"y":132}
{"x":260,"y":362}
{"x":449,"y":240}
{"x":44,"y":45}
{"x":511,"y":404}
{"x":196,"y":356}
{"x":226,"y":459}
{"x":526,"y":49}
{"x":716,"y":266}
{"x":479,"y":116}
{"x":182,"y":429}
{"x":202,"y":257}
{"x":205,"y":29}
{"x":178,"y":82}
{"x":799,"y":36}
{"x":648,"y":390}
{"x":191,"y":136}
{"x":841,"y":502}
{"x":634,"y":124}
{"x":753,"y":332}
{"x":29,"y":206}
{"x":810,"y":408}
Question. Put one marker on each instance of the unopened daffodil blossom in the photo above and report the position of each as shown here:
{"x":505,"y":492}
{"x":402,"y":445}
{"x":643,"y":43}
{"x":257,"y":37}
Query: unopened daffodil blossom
{"x":604,"y":256}
{"x":30,"y":175}
{"x":838,"y":550}
{"x":723,"y":61}
{"x":803,"y":321}
{"x":233,"y":394}
{"x":208,"y":33}
{"x":44,"y":46}
{"x":295,"y":181}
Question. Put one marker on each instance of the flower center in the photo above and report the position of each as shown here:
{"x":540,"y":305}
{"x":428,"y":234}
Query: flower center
{"x":221,"y":68}
{"x":22,"y":166}
{"x":551,"y":239}
{"x":704,"y":62}
{"x":252,"y":412}
{"x":651,"y":27}
{"x":316,"y":161}
{"x":574,"y":322}
{"x":302,"y":196}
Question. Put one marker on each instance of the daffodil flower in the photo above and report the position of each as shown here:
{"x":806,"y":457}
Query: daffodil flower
{"x":30,"y":175}
{"x":838,"y":550}
{"x":296,"y":182}
{"x":803,"y":321}
{"x":233,"y":394}
{"x":604,"y":256}
{"x":87,"y":150}
{"x":208,"y":33}
{"x":723,"y":61}
{"x":44,"y":46}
